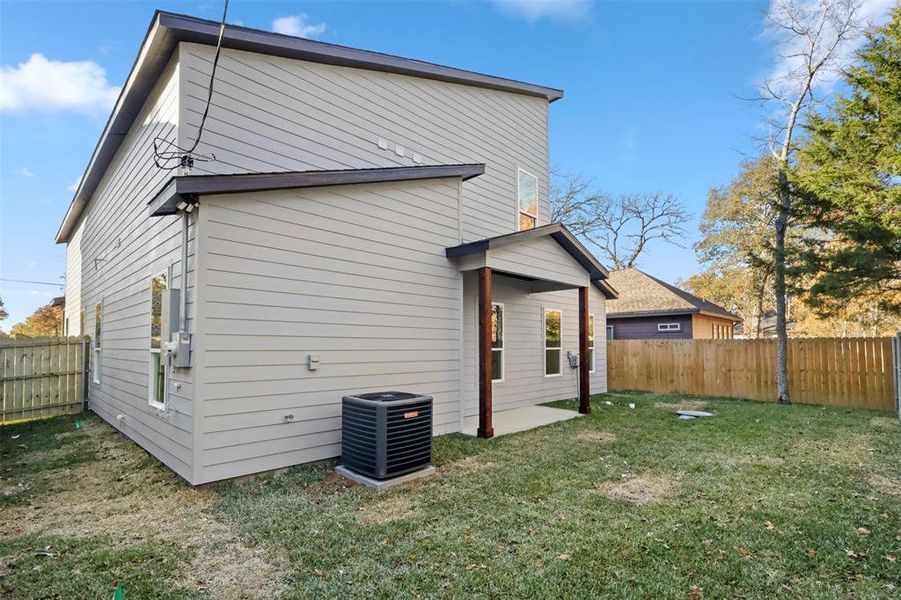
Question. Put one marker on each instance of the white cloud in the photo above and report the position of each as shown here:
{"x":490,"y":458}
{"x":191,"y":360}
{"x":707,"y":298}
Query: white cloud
{"x":73,"y":187}
{"x":788,"y":59}
{"x":25,"y":172}
{"x":298,"y":26}
{"x":534,"y":10}
{"x":42,"y":84}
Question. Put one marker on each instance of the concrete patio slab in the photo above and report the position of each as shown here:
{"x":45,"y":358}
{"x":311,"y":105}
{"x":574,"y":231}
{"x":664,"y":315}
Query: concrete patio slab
{"x":521,"y":419}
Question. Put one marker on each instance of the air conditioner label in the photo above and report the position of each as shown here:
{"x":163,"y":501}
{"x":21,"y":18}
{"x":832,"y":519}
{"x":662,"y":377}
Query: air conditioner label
{"x":411,"y":414}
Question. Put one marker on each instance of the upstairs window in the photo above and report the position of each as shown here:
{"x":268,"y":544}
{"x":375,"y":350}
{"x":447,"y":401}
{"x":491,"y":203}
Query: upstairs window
{"x":157,"y":386}
{"x":497,"y":342}
{"x":527,"y":192}
{"x":98,"y":319}
{"x":553,"y":353}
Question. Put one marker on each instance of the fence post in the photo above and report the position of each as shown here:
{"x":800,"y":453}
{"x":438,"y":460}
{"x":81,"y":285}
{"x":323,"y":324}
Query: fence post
{"x":84,"y":371}
{"x":896,"y":369}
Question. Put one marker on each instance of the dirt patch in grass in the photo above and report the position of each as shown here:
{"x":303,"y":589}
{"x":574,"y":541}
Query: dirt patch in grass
{"x":885,"y":423}
{"x":113,"y":496}
{"x":887,"y":485}
{"x":597,"y":436}
{"x":638,"y":490}
{"x":682,"y":405}
{"x":387,"y":510}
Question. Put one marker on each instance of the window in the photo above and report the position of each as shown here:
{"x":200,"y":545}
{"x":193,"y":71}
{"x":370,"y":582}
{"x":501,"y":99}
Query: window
{"x":527,"y":194}
{"x":98,"y":318}
{"x":591,"y":343}
{"x":553,"y":353}
{"x":497,"y":342}
{"x":157,"y":367}
{"x":609,"y":332}
{"x":669,"y":327}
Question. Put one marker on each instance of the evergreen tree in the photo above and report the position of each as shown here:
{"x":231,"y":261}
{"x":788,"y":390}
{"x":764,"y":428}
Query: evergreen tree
{"x":849,"y":183}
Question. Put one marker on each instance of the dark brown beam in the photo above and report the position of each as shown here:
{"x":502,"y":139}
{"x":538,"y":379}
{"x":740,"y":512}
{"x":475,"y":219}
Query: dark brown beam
{"x":485,"y":430}
{"x":584,"y":362}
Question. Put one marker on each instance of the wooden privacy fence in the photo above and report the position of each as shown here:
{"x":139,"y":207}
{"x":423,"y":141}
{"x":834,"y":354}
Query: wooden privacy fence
{"x":855,"y":372}
{"x":41,"y":377}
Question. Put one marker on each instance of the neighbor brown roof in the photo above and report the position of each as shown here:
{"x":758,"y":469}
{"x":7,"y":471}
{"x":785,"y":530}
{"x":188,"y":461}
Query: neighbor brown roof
{"x":643,"y":295}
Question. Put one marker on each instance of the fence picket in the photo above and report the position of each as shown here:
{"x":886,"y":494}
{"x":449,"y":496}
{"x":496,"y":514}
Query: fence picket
{"x":40,"y":377}
{"x":855,"y":372}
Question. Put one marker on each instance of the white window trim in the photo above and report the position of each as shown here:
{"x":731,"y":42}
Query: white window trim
{"x":98,"y":349}
{"x":151,"y":374}
{"x":610,"y":331}
{"x":546,"y":347}
{"x":151,"y":378}
{"x":669,"y":327}
{"x":592,"y":342}
{"x":503,"y":347}
{"x":519,"y":210}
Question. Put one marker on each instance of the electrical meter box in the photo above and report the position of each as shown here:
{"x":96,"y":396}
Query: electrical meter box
{"x":181,"y":353}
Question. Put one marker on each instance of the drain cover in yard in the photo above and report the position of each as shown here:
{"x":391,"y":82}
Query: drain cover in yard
{"x":693,"y":413}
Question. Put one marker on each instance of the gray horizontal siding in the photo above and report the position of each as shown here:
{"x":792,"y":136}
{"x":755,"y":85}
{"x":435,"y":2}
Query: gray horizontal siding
{"x":541,"y":258}
{"x":111,"y":259}
{"x":277,"y":114}
{"x":356,"y":274}
{"x":645,"y":328}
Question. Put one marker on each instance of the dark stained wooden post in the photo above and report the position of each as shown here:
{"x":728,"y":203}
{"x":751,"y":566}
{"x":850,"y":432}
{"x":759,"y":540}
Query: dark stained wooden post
{"x":485,"y":430}
{"x":584,"y":362}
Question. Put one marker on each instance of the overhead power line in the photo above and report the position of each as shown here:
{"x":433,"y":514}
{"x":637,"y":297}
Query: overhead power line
{"x":184,"y":157}
{"x":58,"y":284}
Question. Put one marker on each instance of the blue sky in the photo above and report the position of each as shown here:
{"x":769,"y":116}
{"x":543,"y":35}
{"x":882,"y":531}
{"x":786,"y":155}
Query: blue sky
{"x":652,"y":94}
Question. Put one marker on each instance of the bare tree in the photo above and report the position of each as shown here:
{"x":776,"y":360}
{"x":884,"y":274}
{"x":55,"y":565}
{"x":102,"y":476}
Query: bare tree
{"x":812,"y":38}
{"x":621,"y":227}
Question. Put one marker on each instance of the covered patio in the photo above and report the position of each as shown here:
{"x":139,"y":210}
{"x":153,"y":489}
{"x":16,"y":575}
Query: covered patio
{"x":521,"y":419}
{"x":543,"y":259}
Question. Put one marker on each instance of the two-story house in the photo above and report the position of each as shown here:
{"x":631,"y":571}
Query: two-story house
{"x":352,"y":222}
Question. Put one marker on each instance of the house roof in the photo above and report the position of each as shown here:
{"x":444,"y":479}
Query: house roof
{"x":168,"y":29}
{"x":188,"y":187}
{"x":641,"y":294}
{"x":556,"y":231}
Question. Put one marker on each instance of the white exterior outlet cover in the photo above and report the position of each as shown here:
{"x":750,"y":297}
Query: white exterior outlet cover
{"x":417,"y":158}
{"x":383,"y":144}
{"x":399,"y":150}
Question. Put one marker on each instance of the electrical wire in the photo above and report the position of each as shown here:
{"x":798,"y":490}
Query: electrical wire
{"x":31,"y":282}
{"x":185,"y":157}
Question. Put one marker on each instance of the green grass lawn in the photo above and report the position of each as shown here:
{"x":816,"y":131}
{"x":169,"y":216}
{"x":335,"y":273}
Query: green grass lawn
{"x":759,"y":501}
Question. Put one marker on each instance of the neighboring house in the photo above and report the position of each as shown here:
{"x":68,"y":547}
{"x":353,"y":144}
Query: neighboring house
{"x":767,"y":327}
{"x":648,"y":308}
{"x":364,"y":223}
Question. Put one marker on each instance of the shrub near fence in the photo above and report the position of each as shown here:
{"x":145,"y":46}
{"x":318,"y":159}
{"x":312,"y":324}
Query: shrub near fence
{"x":855,"y":372}
{"x":41,"y":377}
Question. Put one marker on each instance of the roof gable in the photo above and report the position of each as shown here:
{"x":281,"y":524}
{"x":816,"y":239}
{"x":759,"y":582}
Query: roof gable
{"x":643,"y":294}
{"x":597,"y":274}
